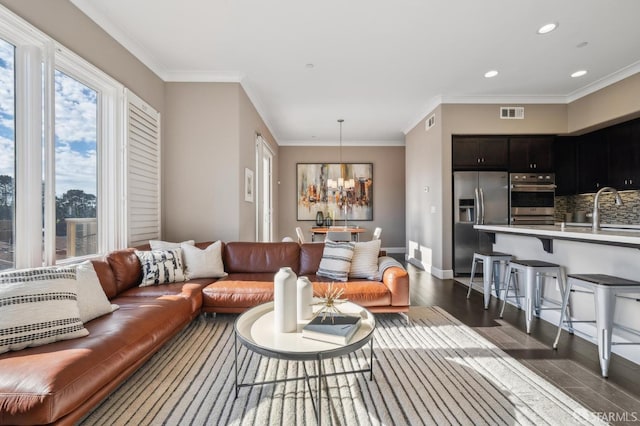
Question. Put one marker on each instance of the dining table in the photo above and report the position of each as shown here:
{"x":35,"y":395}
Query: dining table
{"x":321,"y":231}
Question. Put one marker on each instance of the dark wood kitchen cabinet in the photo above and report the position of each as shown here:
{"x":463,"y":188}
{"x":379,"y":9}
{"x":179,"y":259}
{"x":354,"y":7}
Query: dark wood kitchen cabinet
{"x":564,"y":154}
{"x":531,"y":153}
{"x":592,"y":159}
{"x":480,"y":153}
{"x":624,"y":155}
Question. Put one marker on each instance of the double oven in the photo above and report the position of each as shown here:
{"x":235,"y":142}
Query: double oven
{"x":532,"y":198}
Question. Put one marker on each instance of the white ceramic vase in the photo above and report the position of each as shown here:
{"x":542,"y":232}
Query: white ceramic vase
{"x":284,"y":301}
{"x":305,"y":299}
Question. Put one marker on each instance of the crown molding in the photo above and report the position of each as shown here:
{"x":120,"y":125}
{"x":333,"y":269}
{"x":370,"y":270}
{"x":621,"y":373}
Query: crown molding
{"x":120,"y":36}
{"x":259,"y":106}
{"x":176,"y":76}
{"x":425,"y":111}
{"x":604,"y":82}
{"x":505,"y":99}
{"x":344,"y":143}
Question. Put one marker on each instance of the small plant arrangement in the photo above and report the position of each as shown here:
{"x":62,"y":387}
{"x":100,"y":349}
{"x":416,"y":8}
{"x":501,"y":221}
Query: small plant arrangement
{"x":329,"y":302}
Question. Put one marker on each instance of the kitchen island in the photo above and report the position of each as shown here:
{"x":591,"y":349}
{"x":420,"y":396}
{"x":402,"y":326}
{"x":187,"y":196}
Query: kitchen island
{"x":580,"y":250}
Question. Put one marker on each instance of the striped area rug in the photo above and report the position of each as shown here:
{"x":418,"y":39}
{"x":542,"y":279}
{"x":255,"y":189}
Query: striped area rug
{"x":433,"y":371}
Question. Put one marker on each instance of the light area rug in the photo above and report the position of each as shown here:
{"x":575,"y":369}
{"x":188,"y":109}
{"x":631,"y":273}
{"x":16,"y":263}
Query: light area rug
{"x":434,"y":371}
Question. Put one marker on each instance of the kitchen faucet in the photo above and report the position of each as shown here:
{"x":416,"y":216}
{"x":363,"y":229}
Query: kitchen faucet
{"x":596,"y":210}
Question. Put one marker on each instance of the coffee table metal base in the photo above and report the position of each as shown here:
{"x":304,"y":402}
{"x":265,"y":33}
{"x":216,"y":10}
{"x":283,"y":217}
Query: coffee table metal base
{"x":319,"y":377}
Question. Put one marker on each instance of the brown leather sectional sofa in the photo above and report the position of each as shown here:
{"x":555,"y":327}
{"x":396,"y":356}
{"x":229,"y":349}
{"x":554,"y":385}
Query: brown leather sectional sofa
{"x":60,"y":382}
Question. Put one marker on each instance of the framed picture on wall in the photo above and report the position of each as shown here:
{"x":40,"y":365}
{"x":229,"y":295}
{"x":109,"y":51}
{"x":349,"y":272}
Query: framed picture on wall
{"x":337,"y":190}
{"x":248,"y":185}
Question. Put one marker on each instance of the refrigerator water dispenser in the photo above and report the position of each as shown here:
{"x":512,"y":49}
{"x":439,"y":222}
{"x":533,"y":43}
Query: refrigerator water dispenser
{"x":466,"y":210}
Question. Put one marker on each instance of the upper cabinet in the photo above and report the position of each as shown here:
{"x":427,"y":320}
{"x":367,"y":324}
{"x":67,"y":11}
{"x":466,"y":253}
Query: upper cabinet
{"x":480,"y":153}
{"x":606,"y":157}
{"x":564,"y":154}
{"x":531,"y":153}
{"x":624,"y":155}
{"x":592,"y":159}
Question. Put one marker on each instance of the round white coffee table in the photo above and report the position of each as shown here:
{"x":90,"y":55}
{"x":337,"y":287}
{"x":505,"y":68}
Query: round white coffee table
{"x":254,"y":330}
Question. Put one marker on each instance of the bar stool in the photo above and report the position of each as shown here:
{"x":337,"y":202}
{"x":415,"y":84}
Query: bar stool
{"x":534,"y":271}
{"x":490,"y":270}
{"x":605,"y":289}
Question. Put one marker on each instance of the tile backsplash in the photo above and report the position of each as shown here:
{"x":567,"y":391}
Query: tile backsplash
{"x":628,"y":213}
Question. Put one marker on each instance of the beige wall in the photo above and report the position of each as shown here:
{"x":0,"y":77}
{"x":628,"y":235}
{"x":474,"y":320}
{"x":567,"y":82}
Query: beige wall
{"x":208,"y":142}
{"x":424,"y":186}
{"x":201,"y":184}
{"x":429,"y":235}
{"x":615,"y":103}
{"x":388,"y":181}
{"x":65,"y":23}
{"x":250,"y":124}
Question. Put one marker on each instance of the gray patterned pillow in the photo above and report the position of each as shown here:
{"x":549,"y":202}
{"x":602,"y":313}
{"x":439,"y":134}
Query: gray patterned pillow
{"x":38,"y":306}
{"x":336,"y":260}
{"x":161,"y":266}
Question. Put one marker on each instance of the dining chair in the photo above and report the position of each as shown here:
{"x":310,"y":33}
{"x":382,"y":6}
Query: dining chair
{"x":300,"y":235}
{"x":376,"y":233}
{"x":338,"y":236}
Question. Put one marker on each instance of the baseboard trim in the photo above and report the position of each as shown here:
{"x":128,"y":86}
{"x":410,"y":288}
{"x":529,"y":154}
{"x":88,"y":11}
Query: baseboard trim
{"x":443,"y":274}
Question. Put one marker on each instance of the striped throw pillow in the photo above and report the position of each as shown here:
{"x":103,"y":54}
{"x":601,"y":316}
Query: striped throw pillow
{"x":365,"y":260}
{"x":161,"y":266}
{"x":336,"y":260}
{"x":38,"y":306}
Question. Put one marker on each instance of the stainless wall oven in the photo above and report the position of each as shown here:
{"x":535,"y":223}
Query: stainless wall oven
{"x":532,"y":198}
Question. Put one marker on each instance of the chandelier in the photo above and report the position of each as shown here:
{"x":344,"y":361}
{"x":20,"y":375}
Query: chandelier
{"x":342,"y":189}
{"x":343,"y":182}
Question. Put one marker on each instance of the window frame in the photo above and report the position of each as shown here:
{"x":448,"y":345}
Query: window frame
{"x":37,"y":58}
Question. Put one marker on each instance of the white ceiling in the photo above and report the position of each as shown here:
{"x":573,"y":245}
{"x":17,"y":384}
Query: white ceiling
{"x":381,"y":65}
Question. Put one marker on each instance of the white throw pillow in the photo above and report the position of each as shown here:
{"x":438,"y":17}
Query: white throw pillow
{"x":161,"y":266}
{"x":336,"y":260}
{"x":205,"y":263}
{"x":92,"y":302}
{"x":38,"y":306}
{"x":365,"y":260}
{"x":166,"y":245}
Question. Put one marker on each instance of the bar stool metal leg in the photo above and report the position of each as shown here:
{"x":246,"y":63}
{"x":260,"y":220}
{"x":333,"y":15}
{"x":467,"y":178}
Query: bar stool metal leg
{"x":530,"y":294}
{"x":509,"y":274}
{"x":487,"y":269}
{"x":473,"y":272}
{"x":605,"y":306}
{"x":564,"y":312}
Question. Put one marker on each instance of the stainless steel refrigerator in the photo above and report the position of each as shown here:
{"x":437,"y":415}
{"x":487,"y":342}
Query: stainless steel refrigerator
{"x":478,"y":198}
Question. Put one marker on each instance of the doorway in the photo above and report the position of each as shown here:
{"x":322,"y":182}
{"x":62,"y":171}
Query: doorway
{"x":264,"y":186}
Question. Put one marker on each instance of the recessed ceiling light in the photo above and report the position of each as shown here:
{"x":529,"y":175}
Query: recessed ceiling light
{"x":578,"y":73}
{"x":490,"y":74}
{"x":547,"y":28}
{"x":309,"y":65}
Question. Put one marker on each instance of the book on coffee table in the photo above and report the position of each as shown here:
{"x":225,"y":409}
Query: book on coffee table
{"x":337,"y":328}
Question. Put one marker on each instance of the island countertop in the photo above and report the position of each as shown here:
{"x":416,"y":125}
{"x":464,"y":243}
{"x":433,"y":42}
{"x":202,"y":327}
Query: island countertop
{"x":628,"y":237}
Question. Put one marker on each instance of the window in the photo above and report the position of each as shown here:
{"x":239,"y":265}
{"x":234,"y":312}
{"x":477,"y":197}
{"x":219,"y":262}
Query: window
{"x":7,"y":154}
{"x":75,"y":167}
{"x":61,"y":152}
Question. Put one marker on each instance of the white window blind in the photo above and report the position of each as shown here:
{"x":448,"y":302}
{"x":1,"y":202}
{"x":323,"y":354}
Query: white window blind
{"x":143,"y":172}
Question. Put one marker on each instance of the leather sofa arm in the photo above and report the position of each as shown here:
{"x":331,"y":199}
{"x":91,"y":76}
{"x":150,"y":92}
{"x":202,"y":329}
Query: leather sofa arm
{"x":397,"y":280}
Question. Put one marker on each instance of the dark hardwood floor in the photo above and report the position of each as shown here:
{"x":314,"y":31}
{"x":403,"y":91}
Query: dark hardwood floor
{"x":574,"y":367}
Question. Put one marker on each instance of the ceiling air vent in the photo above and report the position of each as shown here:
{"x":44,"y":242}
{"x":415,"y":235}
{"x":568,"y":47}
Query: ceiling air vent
{"x":512,"y":113}
{"x":430,"y":122}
